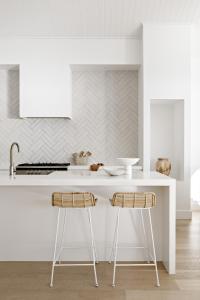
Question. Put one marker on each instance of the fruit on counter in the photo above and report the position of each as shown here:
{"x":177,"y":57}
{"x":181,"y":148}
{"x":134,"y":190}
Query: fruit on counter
{"x":95,"y":167}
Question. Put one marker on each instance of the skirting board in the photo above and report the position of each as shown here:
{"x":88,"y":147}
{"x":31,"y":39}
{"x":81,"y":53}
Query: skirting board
{"x":183,"y":214}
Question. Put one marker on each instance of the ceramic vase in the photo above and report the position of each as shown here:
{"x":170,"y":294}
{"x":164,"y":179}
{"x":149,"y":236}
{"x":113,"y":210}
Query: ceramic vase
{"x":163,"y":165}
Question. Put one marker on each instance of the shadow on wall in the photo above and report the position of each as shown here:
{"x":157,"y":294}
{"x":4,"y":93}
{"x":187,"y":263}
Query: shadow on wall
{"x":12,"y":94}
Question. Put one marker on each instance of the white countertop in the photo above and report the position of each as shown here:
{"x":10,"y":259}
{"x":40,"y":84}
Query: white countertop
{"x":86,"y":178}
{"x":87,"y":167}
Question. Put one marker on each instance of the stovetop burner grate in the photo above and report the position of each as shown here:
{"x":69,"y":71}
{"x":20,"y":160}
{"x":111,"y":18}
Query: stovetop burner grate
{"x":40,"y":168}
{"x":48,"y":165}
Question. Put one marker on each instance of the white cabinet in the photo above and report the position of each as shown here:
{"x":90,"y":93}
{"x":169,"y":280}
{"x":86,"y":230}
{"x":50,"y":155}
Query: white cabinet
{"x":45,"y":89}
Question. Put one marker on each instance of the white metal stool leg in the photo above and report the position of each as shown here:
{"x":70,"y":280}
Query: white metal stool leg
{"x":95,"y":249}
{"x":116,"y":247}
{"x":113,"y":243}
{"x":145,"y":237}
{"x":55,"y":247}
{"x":154,"y":252}
{"x":96,"y":255}
{"x":62,"y":235}
{"x":93,"y":246}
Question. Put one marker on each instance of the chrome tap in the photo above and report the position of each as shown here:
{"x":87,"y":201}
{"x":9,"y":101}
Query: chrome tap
{"x":12,"y":168}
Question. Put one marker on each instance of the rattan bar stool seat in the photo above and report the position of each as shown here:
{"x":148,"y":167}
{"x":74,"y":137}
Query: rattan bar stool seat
{"x":134,"y":199}
{"x":73,"y":199}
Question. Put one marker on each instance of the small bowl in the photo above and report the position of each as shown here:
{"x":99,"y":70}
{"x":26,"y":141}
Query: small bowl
{"x":111,"y":172}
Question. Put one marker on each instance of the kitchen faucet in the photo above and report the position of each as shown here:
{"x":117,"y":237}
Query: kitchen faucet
{"x":12,"y":168}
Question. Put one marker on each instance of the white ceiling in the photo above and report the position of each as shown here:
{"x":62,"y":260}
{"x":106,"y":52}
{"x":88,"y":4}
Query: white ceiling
{"x":91,"y":17}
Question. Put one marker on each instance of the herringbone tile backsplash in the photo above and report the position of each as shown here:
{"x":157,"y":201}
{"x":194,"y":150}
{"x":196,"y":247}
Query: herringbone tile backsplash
{"x":105,"y":120}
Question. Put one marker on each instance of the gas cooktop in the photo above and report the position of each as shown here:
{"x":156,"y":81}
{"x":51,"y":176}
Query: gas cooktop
{"x":40,"y":168}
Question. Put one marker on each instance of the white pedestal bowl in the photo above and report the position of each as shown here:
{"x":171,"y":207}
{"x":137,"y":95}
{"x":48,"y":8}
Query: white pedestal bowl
{"x":128,"y":162}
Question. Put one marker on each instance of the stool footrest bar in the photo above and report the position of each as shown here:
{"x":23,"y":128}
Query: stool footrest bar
{"x":75,"y":247}
{"x":135,"y":265}
{"x":131,"y":247}
{"x":72,"y":265}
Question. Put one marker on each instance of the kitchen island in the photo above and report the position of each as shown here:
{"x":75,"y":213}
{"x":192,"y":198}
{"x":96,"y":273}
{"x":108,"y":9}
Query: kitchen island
{"x":27,"y":219}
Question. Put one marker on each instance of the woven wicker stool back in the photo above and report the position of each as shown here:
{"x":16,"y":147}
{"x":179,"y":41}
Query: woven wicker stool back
{"x":73,"y":199}
{"x":134,"y":200}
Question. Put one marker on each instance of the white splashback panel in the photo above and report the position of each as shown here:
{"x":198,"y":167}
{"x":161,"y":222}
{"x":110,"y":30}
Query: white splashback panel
{"x":105,"y":120}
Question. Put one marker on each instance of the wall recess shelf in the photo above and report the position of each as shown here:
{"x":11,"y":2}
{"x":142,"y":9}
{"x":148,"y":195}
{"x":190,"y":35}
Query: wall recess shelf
{"x":167,"y":134}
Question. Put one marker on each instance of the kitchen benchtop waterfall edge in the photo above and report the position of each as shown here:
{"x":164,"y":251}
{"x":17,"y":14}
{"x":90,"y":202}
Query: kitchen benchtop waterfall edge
{"x":86,"y":178}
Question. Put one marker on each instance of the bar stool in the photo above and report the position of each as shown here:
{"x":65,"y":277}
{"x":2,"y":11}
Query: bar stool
{"x":142,"y":201}
{"x":72,"y":200}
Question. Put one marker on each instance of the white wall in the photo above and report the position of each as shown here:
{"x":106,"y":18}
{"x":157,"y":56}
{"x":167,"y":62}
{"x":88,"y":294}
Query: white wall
{"x":195,"y":120}
{"x":166,"y":61}
{"x":69,"y":51}
{"x":195,"y":98}
{"x":166,"y":73}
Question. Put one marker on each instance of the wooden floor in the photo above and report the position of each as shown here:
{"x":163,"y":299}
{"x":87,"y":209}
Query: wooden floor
{"x":29,"y":281}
